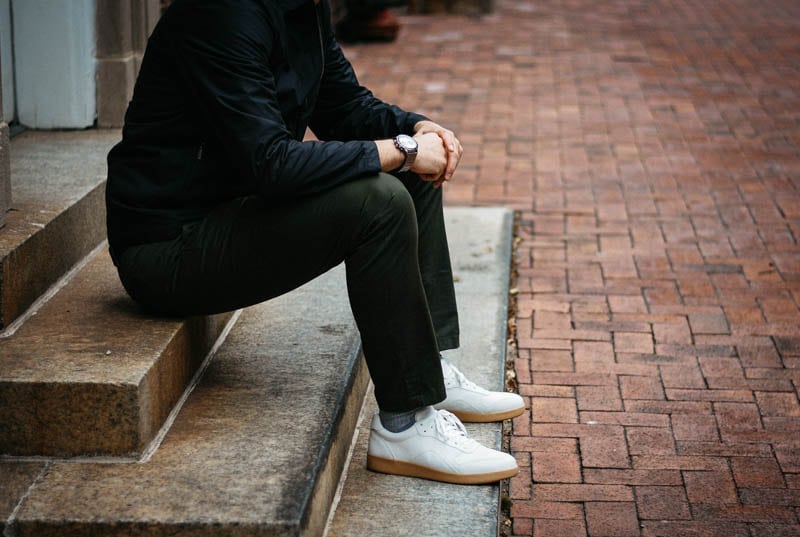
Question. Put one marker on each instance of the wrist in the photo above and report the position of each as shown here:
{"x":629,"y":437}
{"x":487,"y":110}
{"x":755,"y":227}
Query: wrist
{"x":390,"y":156}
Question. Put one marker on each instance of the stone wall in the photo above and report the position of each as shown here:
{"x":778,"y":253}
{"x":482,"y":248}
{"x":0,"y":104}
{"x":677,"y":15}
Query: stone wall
{"x":122,"y":30}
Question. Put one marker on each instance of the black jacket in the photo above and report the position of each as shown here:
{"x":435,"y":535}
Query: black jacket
{"x":224,"y":96}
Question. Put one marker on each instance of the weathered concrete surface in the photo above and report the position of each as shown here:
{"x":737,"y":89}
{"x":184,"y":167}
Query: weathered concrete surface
{"x":256,"y":450}
{"x":89,"y":374}
{"x":57,"y":215}
{"x":376,"y":504}
{"x":15,"y":480}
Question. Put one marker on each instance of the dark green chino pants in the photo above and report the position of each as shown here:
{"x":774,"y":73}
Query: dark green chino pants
{"x":389,"y":232}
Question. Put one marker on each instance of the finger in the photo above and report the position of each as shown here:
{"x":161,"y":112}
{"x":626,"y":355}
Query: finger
{"x":453,"y":158}
{"x":449,"y":139}
{"x":449,"y":143}
{"x":455,"y":154}
{"x":452,"y":162}
{"x":459,"y":149}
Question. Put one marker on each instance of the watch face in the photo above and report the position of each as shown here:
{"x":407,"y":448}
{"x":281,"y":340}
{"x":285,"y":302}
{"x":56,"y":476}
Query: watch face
{"x":407,"y":141}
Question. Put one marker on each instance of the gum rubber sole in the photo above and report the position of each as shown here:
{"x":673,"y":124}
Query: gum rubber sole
{"x":388,"y":466}
{"x":476,"y":417}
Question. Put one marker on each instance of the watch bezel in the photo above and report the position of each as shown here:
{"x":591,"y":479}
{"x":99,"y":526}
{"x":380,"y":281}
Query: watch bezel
{"x":408,"y":146}
{"x":406,"y":142}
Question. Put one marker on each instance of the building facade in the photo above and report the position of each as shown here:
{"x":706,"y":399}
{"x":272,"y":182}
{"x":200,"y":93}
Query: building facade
{"x":68,"y":65}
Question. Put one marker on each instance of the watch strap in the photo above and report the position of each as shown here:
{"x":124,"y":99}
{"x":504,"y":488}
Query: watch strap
{"x":410,"y":156}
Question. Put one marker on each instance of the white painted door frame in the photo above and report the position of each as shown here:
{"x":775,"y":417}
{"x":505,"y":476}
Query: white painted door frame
{"x":54,"y":63}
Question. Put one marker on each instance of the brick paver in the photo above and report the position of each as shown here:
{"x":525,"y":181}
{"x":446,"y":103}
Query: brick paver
{"x":652,"y":149}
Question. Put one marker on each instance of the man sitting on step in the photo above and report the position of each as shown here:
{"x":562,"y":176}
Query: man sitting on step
{"x":215,"y":203}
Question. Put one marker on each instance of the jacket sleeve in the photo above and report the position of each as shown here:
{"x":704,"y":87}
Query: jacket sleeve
{"x":346,"y":110}
{"x":223,"y":59}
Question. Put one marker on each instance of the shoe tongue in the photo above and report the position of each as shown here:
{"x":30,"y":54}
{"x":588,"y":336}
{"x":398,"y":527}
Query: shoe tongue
{"x":448,"y":372}
{"x":425,"y":413}
{"x":451,"y":425}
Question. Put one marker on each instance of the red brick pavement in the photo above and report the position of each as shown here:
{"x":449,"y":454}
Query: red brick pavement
{"x":652,"y":149}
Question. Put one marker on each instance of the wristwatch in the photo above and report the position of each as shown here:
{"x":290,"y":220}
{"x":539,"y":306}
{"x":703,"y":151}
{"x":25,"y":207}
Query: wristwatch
{"x":408,"y":146}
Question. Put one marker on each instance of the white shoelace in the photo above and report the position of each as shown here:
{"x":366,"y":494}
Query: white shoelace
{"x":451,"y":428}
{"x":462,"y":381}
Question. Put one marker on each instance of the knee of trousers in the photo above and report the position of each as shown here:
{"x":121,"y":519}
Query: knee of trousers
{"x":388,"y":202}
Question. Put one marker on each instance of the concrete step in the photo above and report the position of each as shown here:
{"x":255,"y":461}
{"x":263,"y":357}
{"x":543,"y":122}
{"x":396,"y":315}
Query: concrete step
{"x":259,"y":445}
{"x":373,"y":504}
{"x":83,"y":374}
{"x":90,"y":375}
{"x":257,"y":449}
{"x":57,"y":215}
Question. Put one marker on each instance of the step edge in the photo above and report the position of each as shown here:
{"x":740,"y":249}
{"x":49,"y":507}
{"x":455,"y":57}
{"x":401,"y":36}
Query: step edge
{"x":332,"y":458}
{"x":79,"y":215}
{"x":187,"y":346}
{"x":158,"y":438}
{"x":198,"y":336}
{"x":362,"y":414}
{"x":50,"y":292}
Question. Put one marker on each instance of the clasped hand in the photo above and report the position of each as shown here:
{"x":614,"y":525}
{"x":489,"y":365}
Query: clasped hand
{"x":438,"y":154}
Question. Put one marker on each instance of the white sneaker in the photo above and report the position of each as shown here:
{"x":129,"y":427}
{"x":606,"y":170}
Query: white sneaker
{"x":436,"y":447}
{"x":472,"y":403}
